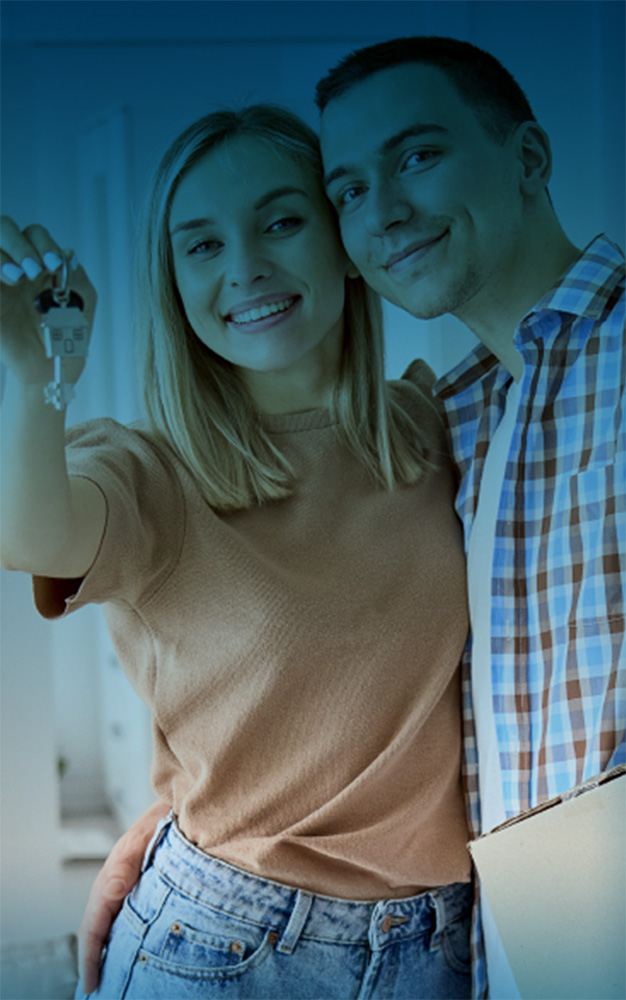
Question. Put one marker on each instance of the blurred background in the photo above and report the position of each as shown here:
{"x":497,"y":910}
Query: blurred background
{"x":92,"y":94}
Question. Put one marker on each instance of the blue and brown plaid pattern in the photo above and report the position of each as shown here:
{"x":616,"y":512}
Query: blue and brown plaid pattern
{"x":557,"y":613}
{"x":472,"y":801}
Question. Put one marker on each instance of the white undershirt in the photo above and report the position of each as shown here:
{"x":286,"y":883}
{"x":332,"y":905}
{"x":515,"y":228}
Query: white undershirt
{"x":480,"y":555}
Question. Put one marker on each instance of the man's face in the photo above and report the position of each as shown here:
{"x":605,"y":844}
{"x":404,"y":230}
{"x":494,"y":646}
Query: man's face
{"x":429,"y":204}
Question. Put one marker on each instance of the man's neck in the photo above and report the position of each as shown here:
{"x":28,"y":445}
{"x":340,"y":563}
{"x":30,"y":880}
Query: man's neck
{"x":495,"y":313}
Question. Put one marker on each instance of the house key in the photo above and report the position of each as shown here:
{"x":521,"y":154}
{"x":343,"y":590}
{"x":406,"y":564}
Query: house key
{"x":65,"y":335}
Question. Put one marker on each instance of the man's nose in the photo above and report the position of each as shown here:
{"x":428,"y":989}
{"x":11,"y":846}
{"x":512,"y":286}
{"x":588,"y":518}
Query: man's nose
{"x":387,"y":206}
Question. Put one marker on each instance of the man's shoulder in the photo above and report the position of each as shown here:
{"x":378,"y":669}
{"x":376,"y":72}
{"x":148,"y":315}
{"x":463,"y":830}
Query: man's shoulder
{"x":593,"y":287}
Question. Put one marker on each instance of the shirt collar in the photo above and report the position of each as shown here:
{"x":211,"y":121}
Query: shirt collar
{"x":587,"y":286}
{"x":584,"y":289}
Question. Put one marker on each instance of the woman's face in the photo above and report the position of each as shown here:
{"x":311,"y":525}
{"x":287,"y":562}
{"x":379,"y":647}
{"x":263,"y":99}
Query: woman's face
{"x":258,"y":262}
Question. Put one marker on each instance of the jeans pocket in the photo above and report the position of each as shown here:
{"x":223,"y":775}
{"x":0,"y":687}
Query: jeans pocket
{"x":456,"y":945}
{"x":189,"y":939}
{"x":230,"y":946}
{"x":146,"y":900}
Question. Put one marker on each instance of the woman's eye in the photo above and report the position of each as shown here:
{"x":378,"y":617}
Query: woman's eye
{"x":285,"y":224}
{"x":203,"y":247}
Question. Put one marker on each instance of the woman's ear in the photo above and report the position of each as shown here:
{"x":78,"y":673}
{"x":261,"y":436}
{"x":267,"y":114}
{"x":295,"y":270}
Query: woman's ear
{"x":353,"y":271}
{"x":535,"y":156}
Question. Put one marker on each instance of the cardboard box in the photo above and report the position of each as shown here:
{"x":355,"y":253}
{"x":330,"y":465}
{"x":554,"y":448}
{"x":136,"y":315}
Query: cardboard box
{"x":555,"y":879}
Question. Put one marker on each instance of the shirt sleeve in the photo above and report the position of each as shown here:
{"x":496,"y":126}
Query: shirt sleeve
{"x":145,"y":519}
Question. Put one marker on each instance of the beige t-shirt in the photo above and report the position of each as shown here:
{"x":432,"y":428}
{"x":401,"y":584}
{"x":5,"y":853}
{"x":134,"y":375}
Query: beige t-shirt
{"x":300,"y":658}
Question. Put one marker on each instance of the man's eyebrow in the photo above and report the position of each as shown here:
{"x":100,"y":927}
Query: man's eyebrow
{"x":266,"y":199}
{"x":412,"y":132}
{"x":388,"y":146}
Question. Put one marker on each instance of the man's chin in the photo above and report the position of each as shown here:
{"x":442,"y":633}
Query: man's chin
{"x":424,"y":302}
{"x":419,"y":306}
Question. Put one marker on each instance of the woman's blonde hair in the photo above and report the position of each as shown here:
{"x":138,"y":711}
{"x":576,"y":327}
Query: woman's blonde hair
{"x":195,"y":399}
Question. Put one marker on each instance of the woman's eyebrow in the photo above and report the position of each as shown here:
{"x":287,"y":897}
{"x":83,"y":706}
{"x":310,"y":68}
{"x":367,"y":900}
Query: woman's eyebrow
{"x":191,"y":224}
{"x":264,"y":200}
{"x":278,"y":193}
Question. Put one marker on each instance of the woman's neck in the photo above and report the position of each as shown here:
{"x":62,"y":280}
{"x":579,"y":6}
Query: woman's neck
{"x":306,"y":384}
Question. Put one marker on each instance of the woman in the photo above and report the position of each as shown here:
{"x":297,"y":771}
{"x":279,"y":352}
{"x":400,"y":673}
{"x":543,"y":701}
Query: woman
{"x":282,"y":574}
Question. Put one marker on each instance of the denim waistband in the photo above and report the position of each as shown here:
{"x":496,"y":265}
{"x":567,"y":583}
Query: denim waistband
{"x":298,"y":912}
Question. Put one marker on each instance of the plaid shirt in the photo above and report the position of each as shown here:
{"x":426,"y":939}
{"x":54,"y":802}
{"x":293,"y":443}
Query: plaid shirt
{"x":557,"y":616}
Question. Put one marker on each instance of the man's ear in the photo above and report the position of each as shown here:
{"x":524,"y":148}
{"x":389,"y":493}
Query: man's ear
{"x":535,"y":156}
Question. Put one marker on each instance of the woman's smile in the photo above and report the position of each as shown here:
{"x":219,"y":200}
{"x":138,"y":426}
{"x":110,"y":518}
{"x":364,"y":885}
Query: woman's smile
{"x":263,"y":313}
{"x":259,"y":265}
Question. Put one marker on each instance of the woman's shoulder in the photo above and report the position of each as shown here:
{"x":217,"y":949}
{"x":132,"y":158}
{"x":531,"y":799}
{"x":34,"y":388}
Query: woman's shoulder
{"x":128,"y":457}
{"x":107,"y":432}
{"x":414,"y":391}
{"x":106,"y":436}
{"x":421,"y":375}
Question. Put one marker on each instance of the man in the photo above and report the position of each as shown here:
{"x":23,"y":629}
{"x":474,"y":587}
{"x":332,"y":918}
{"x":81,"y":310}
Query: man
{"x":438,"y":171}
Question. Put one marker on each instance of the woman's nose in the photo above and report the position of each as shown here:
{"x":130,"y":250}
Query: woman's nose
{"x":247,"y":265}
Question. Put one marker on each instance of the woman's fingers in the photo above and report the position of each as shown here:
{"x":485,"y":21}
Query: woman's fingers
{"x":79,"y":282}
{"x":10,"y":272}
{"x":112,"y":884}
{"x":28,"y":253}
{"x":31,"y":262}
{"x":49,"y":254}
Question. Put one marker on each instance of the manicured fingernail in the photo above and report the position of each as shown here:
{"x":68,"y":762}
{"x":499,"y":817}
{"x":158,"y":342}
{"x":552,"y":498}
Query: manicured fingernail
{"x":52,"y":260}
{"x":12,"y":272}
{"x":31,"y":267}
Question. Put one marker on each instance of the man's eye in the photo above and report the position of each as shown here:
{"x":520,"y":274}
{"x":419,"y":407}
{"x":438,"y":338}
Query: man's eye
{"x":285,"y":224}
{"x":418,"y":158}
{"x":347,"y":195}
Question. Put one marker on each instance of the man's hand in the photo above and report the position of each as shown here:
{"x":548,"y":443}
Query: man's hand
{"x":115,"y":880}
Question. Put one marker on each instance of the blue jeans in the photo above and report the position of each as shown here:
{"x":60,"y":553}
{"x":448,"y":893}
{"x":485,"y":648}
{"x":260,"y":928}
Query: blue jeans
{"x":197,"y":927}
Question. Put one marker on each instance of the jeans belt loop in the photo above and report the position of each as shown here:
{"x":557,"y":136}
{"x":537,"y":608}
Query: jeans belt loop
{"x":440,"y":919}
{"x":157,"y":837}
{"x":297,"y":920}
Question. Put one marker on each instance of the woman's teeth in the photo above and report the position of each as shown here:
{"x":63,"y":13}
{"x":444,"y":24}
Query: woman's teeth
{"x":253,"y":314}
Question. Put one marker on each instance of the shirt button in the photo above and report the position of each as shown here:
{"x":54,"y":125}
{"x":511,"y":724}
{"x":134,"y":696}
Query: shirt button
{"x":386,"y":925}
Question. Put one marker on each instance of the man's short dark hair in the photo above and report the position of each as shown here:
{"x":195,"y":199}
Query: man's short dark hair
{"x":482,"y":82}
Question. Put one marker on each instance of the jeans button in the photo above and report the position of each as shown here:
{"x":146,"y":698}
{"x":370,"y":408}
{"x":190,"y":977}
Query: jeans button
{"x":386,"y":925}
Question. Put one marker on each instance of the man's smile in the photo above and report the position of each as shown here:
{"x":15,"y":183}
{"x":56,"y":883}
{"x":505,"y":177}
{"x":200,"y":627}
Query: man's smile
{"x":398,"y":261}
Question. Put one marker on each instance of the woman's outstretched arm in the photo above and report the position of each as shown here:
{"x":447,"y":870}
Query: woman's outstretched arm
{"x":51,"y":524}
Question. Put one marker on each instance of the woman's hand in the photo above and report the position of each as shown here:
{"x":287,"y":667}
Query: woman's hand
{"x":120,"y":872}
{"x":30,"y":261}
{"x":51,"y":526}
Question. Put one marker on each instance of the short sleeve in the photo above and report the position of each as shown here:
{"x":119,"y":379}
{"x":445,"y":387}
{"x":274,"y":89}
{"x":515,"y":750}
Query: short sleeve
{"x":145,"y":519}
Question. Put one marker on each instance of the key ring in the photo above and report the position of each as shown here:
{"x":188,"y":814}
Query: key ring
{"x":61,"y":292}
